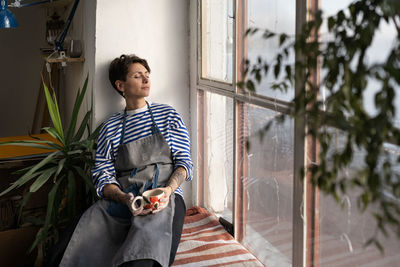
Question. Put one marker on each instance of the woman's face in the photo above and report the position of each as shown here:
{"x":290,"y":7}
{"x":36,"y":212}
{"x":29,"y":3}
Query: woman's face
{"x":137,"y":84}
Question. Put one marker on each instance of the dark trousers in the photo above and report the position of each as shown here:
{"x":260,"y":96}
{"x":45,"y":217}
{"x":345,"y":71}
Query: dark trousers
{"x":177,"y":224}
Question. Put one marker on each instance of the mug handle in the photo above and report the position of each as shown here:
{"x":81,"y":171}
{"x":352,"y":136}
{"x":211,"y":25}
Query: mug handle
{"x":141,"y":200}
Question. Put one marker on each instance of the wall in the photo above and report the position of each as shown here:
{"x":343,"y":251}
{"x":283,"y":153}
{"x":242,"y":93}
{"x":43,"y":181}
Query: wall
{"x":22,"y":64}
{"x":155,"y":30}
{"x":20,"y":69}
{"x":83,"y":29}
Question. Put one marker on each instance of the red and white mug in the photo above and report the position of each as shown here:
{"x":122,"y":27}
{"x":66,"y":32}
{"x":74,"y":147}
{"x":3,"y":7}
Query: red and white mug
{"x":150,"y":199}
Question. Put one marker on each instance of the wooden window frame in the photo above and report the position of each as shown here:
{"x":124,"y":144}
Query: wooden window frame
{"x":305,"y":197}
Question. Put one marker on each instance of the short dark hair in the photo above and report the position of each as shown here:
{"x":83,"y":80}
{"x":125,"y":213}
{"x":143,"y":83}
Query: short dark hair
{"x":119,"y":68}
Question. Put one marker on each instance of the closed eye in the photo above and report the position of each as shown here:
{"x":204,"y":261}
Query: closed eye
{"x":140,"y":76}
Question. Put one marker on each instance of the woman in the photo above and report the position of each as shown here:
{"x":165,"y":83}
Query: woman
{"x":145,"y":146}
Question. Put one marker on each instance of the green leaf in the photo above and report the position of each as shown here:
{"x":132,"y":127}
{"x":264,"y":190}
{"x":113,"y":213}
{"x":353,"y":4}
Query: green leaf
{"x":53,"y":132}
{"x":51,"y":201}
{"x":331,"y":23}
{"x":46,"y":144}
{"x":33,"y":144}
{"x":82,"y":127}
{"x":277,"y":69}
{"x":74,"y":152}
{"x":282,"y":38}
{"x":268,"y":34}
{"x":86,"y":179}
{"x":340,"y":17}
{"x":22,"y":171}
{"x":39,"y":237}
{"x":250,"y":86}
{"x":30,"y":174}
{"x":22,"y":204}
{"x":266,"y":68}
{"x":248,"y":31}
{"x":42,"y":179}
{"x":54,"y":112}
{"x":78,"y":102}
{"x":71,"y":197}
{"x":95,"y":133}
{"x":61,"y":164}
{"x":258,"y":76}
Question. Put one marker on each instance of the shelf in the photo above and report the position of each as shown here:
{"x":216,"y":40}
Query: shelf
{"x":66,"y":59}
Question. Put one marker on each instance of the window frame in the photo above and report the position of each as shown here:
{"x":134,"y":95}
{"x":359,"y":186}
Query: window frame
{"x":301,"y":189}
{"x":207,"y":82}
{"x":305,"y":224}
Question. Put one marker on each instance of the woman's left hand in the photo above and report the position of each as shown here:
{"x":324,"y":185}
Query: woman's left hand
{"x":165,"y":199}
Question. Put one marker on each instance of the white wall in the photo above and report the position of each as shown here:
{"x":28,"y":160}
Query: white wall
{"x":83,"y":29}
{"x":155,"y":30}
{"x":20,"y":69}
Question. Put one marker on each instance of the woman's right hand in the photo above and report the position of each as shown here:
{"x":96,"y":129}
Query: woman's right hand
{"x":113,"y":192}
{"x":129,"y":202}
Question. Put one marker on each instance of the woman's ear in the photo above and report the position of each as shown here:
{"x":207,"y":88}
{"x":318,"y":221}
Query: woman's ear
{"x":120,"y":85}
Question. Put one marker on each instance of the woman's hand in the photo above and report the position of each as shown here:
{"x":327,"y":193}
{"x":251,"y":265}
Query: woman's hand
{"x":129,"y":197}
{"x":165,"y":199}
{"x":176,"y":179}
{"x":113,"y":192}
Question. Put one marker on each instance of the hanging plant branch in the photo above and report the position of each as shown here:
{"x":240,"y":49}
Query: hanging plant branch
{"x":342,"y":57}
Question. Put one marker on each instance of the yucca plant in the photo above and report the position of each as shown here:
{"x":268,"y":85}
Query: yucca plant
{"x":67,"y":167}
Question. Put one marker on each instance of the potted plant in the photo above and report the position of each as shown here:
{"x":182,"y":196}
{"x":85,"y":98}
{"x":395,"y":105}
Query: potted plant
{"x":65,"y":170}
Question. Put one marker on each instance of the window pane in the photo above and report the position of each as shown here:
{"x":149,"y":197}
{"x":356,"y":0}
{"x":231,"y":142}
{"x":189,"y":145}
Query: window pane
{"x":217,"y":40}
{"x":276,"y":16}
{"x":343,"y":232}
{"x":268,"y":185}
{"x":218,"y":138}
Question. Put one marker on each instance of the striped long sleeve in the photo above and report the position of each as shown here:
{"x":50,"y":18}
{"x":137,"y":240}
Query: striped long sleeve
{"x":138,"y":125}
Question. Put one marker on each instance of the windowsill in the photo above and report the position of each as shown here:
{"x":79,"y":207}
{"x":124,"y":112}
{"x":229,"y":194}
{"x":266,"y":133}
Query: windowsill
{"x":267,"y":253}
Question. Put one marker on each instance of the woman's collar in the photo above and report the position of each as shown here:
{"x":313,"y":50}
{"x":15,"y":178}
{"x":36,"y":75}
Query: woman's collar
{"x":134,"y":111}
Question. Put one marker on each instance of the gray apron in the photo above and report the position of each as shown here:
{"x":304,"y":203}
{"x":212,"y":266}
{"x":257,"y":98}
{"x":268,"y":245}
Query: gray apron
{"x":107,"y":234}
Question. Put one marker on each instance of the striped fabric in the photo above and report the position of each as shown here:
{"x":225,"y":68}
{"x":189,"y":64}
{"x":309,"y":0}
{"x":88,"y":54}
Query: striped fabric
{"x":205,"y":242}
{"x":138,"y":125}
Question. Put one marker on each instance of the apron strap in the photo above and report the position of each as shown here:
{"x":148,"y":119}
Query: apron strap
{"x":154,"y":127}
{"x":123,"y":127}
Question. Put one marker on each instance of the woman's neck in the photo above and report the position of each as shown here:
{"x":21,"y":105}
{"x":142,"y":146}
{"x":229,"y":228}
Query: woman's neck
{"x":132,"y":104}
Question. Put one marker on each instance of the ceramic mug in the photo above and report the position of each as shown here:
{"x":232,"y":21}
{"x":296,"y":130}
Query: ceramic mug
{"x":150,"y":199}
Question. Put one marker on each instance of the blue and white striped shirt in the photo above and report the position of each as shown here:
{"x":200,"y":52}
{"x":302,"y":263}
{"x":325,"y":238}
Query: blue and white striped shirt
{"x":138,"y":125}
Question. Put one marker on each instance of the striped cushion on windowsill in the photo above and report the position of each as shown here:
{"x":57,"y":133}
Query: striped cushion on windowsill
{"x":205,"y":242}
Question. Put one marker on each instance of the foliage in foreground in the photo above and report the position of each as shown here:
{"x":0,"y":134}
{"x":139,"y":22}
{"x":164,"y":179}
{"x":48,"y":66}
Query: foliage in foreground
{"x":346,"y":73}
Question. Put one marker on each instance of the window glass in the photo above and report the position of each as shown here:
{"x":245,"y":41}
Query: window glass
{"x":276,"y":16}
{"x":344,"y":230}
{"x":217,"y":40}
{"x":218,"y":138}
{"x":268,"y":184}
